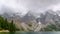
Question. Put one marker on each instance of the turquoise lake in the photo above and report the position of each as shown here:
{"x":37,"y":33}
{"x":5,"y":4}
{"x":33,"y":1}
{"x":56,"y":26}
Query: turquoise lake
{"x":29,"y":32}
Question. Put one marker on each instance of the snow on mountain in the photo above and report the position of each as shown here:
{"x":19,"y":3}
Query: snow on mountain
{"x":49,"y":16}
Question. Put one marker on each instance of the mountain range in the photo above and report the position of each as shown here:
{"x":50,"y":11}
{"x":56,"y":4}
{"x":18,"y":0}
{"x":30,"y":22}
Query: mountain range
{"x":49,"y":16}
{"x":46,"y":17}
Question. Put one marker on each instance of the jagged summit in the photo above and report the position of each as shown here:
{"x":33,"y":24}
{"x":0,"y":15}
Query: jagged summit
{"x":49,"y":16}
{"x":28,"y":17}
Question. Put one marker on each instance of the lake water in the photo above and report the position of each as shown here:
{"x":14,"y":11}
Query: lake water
{"x":30,"y":33}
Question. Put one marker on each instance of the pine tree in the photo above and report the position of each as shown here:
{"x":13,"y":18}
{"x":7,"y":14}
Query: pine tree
{"x":6,"y":24}
{"x":2,"y":22}
{"x":12,"y":27}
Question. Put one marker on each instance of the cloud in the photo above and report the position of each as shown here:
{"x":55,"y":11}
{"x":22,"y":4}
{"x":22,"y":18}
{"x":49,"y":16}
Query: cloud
{"x":23,"y":6}
{"x":12,"y":5}
{"x":55,"y":7}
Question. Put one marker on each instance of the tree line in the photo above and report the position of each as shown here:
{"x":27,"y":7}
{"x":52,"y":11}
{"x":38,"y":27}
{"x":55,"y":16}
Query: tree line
{"x":6,"y":25}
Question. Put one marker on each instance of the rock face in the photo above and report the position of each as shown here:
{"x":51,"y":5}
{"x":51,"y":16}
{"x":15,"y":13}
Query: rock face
{"x":28,"y":17}
{"x":49,"y":16}
{"x":39,"y":26}
{"x":12,"y":16}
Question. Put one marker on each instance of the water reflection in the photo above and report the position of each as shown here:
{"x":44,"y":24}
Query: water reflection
{"x":30,"y":33}
{"x":11,"y":32}
{"x":7,"y":33}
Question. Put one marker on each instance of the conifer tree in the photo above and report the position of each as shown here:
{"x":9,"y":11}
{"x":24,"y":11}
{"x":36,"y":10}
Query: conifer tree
{"x":12,"y":27}
{"x":6,"y":24}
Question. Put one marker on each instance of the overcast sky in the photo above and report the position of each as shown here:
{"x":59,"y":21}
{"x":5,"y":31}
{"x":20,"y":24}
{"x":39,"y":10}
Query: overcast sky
{"x":25,"y":5}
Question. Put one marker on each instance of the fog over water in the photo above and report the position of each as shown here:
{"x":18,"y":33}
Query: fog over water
{"x":23,"y":6}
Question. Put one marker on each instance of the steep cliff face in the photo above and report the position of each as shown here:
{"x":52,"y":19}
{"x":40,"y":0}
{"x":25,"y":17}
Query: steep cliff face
{"x":49,"y":16}
{"x":28,"y":17}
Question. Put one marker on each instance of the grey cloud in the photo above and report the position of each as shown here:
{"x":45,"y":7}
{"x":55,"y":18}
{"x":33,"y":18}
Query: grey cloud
{"x":36,"y":5}
{"x":33,"y":5}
